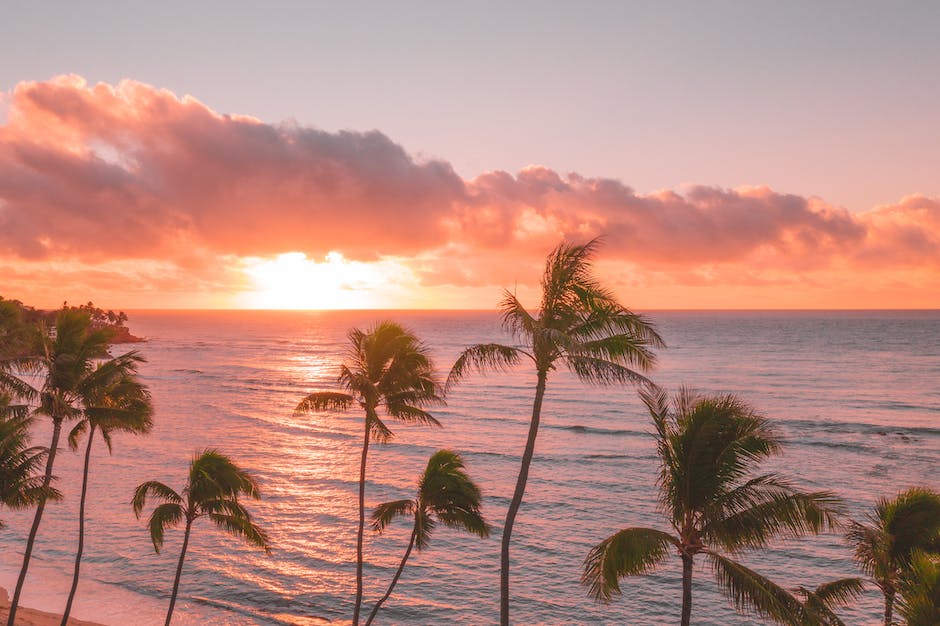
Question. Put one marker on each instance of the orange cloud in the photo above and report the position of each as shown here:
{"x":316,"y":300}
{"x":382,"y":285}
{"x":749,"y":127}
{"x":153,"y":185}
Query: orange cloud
{"x":132,"y":184}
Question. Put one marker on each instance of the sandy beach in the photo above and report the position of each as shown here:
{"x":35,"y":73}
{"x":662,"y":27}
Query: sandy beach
{"x":32,"y":617}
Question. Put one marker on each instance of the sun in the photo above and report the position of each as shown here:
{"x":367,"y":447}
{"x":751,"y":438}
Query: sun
{"x":292,"y":281}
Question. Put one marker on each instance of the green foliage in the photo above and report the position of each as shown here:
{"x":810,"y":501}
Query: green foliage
{"x":897,"y":529}
{"x":213,"y":489}
{"x":819,"y":604}
{"x":579,"y":323}
{"x":21,"y":480}
{"x":709,"y":449}
{"x":389,"y":367}
{"x":919,"y":585}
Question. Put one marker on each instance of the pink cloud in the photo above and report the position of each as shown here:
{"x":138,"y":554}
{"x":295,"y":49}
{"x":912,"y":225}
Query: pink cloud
{"x":95,"y":174}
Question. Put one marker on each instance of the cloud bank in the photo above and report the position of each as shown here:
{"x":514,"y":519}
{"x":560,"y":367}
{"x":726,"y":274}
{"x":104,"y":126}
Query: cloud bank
{"x":133,"y":184}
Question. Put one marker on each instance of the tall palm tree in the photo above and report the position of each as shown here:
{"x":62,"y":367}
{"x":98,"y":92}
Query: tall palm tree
{"x":709,"y":448}
{"x":20,"y":485}
{"x":115,"y":402}
{"x":65,"y":360}
{"x":389,"y":367}
{"x":445,"y":492}
{"x":212,"y":490}
{"x":919,"y":588}
{"x":580,"y":324}
{"x":898,"y":527}
{"x":820,"y":603}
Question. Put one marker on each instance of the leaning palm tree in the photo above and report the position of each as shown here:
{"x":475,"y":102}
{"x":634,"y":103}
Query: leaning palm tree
{"x":819,"y":604}
{"x":115,"y":401}
{"x":580,"y":324}
{"x":388,"y":367}
{"x":64,"y":361}
{"x":212,"y":490}
{"x":896,"y":529}
{"x":445,"y":492}
{"x":919,"y":588}
{"x":709,"y":448}
{"x":21,"y":485}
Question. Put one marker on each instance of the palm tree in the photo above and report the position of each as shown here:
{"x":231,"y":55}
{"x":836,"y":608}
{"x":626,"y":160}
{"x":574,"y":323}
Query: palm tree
{"x":20,"y":485}
{"x":212,"y":490}
{"x":819,"y":603}
{"x":388,"y":366}
{"x":115,"y":402}
{"x":919,"y":587}
{"x":65,"y":360}
{"x":709,"y":448}
{"x":445,"y":492}
{"x":579,"y":323}
{"x":896,"y":529}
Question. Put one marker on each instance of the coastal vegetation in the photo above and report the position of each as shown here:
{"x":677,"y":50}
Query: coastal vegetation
{"x":445,"y":494}
{"x":579,"y":324}
{"x":213,"y":489}
{"x":116,"y":402}
{"x":718,"y":502}
{"x":21,"y":480}
{"x":65,"y":362}
{"x":898,"y":529}
{"x":388,"y":367}
{"x":709,"y":448}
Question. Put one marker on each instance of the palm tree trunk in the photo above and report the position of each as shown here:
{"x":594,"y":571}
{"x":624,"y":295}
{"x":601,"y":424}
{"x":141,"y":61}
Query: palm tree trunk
{"x":401,"y":568}
{"x":46,"y":481}
{"x":889,"y":607}
{"x":686,"y":589}
{"x":179,"y":571}
{"x":81,"y":529}
{"x":362,"y":519}
{"x":517,"y":499}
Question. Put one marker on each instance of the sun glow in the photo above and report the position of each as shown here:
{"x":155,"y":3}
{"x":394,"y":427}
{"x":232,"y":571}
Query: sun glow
{"x":292,"y":281}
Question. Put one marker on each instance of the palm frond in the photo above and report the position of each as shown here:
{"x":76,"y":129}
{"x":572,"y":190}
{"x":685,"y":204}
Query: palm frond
{"x":164,"y":516}
{"x":599,"y":371}
{"x":411,"y":414}
{"x":482,"y":357}
{"x":776,"y":510}
{"x":385,"y":513}
{"x":919,"y":601}
{"x":240,"y":525}
{"x":379,"y":430}
{"x":516,"y":319}
{"x":628,"y":552}
{"x":324,"y":401}
{"x":750,"y":592}
{"x":155,"y":489}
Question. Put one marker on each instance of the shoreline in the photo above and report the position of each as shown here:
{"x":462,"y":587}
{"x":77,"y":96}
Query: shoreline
{"x":26,"y":616}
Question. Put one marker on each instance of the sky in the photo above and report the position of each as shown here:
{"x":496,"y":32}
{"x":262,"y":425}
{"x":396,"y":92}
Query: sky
{"x":428,"y":155}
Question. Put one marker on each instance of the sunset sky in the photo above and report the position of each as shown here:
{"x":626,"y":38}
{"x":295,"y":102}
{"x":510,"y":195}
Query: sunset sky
{"x":428,"y":154}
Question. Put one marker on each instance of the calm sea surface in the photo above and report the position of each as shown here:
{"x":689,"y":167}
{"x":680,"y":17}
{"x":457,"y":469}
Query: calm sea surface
{"x":855,"y":394}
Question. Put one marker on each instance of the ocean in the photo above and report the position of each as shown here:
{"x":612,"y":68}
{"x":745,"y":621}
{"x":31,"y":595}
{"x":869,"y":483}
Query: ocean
{"x":856,"y":395}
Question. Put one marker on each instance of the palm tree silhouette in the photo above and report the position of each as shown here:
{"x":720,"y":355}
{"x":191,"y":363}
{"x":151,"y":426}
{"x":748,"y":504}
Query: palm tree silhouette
{"x":895,"y":530}
{"x":388,"y":366}
{"x":115,"y":401}
{"x":819,"y":604}
{"x":212,"y":490}
{"x":445,"y":493}
{"x":20,"y":484}
{"x":919,"y":590}
{"x":579,"y":323}
{"x":65,"y":360}
{"x":708,"y":448}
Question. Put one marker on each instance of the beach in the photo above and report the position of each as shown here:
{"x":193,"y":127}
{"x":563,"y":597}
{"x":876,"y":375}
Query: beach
{"x":33,"y":617}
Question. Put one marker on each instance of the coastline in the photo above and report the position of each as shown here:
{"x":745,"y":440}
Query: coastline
{"x":26,"y":616}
